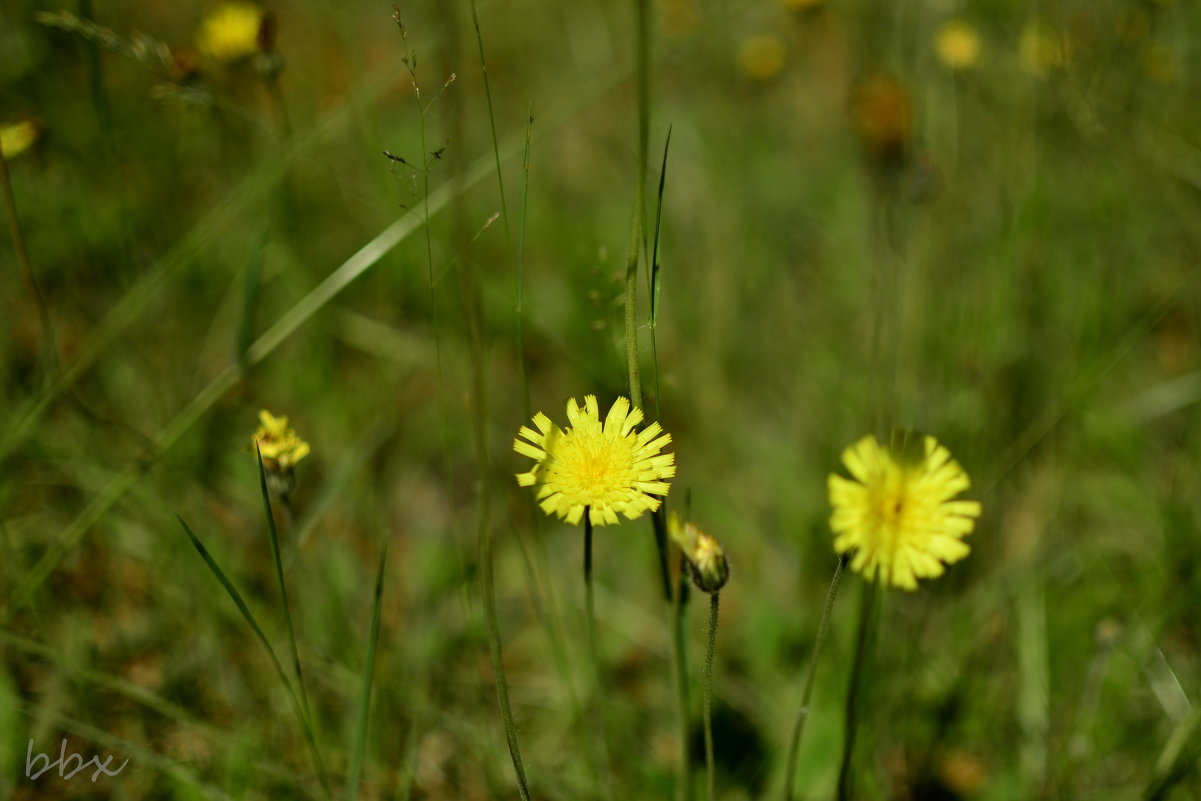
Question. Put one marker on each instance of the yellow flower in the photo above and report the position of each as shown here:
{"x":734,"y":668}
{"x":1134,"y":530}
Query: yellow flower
{"x":231,"y":32}
{"x":16,"y":138}
{"x":706,"y":560}
{"x":898,"y":515}
{"x":279,"y":445}
{"x":762,"y":57}
{"x":605,"y":468}
{"x":958,"y":45}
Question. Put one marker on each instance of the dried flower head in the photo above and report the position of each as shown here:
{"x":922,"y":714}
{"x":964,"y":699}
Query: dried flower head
{"x":605,"y":468}
{"x":898,"y":515}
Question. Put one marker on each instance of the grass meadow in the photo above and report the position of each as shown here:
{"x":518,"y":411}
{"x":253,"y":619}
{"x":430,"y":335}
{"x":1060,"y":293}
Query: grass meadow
{"x":980,"y":221}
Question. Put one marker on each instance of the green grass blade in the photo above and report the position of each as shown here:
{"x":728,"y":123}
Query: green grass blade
{"x":248,"y":616}
{"x":250,"y":298}
{"x":1179,"y":756}
{"x":360,"y":732}
{"x":273,"y":536}
{"x":654,"y":274}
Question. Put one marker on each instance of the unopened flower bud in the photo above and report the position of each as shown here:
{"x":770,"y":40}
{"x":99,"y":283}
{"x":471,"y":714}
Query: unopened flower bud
{"x":706,"y":561}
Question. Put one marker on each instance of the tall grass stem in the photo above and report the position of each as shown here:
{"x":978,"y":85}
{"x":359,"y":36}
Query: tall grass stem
{"x":798,"y":728}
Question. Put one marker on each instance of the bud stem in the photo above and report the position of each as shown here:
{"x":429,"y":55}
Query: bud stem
{"x":714,"y":600}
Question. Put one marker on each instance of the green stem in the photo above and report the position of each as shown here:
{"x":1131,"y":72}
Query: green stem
{"x":598,"y":712}
{"x":680,"y":609}
{"x":710,"y":768}
{"x":31,"y":284}
{"x":863,"y":640}
{"x":798,"y":729}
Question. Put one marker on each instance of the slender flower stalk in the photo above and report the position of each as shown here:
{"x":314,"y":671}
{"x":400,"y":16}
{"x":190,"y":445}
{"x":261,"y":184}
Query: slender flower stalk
{"x":710,"y":643}
{"x":702,"y":559}
{"x":865,"y":640}
{"x":679,"y":608}
{"x":598,"y":710}
{"x":8,"y":141}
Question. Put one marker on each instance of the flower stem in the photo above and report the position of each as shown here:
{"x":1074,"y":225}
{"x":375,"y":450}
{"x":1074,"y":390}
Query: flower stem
{"x":714,"y":601}
{"x":864,"y":640}
{"x":680,"y":609}
{"x":798,"y":729}
{"x":49,"y":351}
{"x":598,"y":713}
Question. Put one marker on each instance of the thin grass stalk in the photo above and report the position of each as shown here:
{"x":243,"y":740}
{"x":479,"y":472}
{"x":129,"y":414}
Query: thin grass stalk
{"x":364,"y":707}
{"x":473,"y":306}
{"x":710,"y":644}
{"x":500,"y":179}
{"x":678,"y":656}
{"x":498,"y":663}
{"x":273,"y":536}
{"x":798,"y":729}
{"x":864,"y":641}
{"x":31,"y":285}
{"x":637,"y":225}
{"x":236,"y":597}
{"x":519,"y":264}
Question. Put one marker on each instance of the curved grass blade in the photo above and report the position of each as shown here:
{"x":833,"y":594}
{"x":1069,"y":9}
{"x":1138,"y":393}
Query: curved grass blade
{"x":248,"y":616}
{"x":360,"y":733}
{"x":273,"y":535}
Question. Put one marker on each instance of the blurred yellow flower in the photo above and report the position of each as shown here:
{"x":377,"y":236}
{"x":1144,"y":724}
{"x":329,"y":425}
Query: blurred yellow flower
{"x":1160,"y":63}
{"x":605,"y":468}
{"x":762,"y":57}
{"x":957,"y":45}
{"x":231,"y":31}
{"x":15,"y":139}
{"x":277,"y":442}
{"x":898,"y":515}
{"x":1042,"y":48}
{"x":706,"y":560}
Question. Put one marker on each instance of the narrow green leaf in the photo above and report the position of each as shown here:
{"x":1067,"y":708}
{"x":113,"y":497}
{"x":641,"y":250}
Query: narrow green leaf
{"x":360,"y":734}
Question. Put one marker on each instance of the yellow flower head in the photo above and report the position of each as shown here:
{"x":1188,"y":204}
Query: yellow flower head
{"x":17,"y":138}
{"x":898,"y":514}
{"x":280,"y":447}
{"x":706,"y":560}
{"x":958,"y":45}
{"x":762,"y":57}
{"x":231,"y":32}
{"x":605,"y":468}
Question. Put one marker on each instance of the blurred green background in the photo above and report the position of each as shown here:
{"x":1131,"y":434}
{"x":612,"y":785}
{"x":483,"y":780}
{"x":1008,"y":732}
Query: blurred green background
{"x":981,"y":220}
